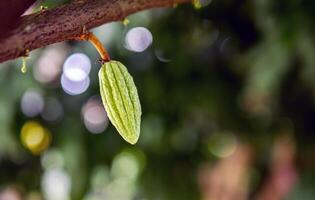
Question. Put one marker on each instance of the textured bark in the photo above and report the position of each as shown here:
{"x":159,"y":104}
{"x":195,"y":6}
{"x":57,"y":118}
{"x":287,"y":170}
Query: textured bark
{"x":69,"y":21}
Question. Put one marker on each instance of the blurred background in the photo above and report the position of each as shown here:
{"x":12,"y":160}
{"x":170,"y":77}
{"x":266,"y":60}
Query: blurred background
{"x":228,"y":97}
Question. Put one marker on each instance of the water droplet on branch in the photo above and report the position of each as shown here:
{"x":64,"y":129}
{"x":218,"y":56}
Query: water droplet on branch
{"x":24,"y":67}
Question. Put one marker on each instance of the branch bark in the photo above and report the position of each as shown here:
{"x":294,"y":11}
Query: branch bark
{"x":69,"y":21}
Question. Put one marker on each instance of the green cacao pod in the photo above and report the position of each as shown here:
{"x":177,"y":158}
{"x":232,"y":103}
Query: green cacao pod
{"x":121,"y":100}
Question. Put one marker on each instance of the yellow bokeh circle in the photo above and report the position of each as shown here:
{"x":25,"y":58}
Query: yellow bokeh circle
{"x":35,"y":137}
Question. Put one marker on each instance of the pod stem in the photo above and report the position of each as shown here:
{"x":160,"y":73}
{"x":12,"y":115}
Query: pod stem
{"x":89,"y":36}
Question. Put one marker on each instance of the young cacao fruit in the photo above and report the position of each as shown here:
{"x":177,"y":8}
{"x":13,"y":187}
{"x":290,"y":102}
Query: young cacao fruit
{"x":121,"y":100}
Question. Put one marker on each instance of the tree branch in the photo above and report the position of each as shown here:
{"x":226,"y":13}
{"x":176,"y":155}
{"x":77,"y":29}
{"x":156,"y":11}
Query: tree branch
{"x":69,"y":21}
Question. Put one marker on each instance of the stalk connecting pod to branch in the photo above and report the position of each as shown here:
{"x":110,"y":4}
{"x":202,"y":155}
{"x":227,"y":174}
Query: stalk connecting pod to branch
{"x":89,"y":36}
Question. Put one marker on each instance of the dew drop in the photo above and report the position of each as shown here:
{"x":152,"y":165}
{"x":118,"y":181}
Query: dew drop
{"x":24,"y":67}
{"x":43,"y":8}
{"x":126,"y":21}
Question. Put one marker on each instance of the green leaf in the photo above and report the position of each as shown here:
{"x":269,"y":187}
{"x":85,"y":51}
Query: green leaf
{"x":121,"y":100}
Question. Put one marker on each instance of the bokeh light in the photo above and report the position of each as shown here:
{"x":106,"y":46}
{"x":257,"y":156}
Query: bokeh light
{"x":125,"y":165}
{"x":128,"y":164}
{"x":35,"y":137}
{"x":56,"y":185}
{"x":120,"y":182}
{"x":53,"y":110}
{"x":121,"y":189}
{"x":74,"y":87}
{"x":32,"y":103}
{"x":48,"y":66}
{"x":160,"y":55}
{"x":75,"y":77}
{"x":99,"y":181}
{"x":138,"y":39}
{"x":52,"y":159}
{"x":10,"y":193}
{"x":100,"y":177}
{"x":77,"y":67}
{"x":222,"y":144}
{"x":94,"y":115}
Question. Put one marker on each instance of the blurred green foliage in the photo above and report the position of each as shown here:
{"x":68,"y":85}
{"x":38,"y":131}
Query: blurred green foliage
{"x":232,"y":71}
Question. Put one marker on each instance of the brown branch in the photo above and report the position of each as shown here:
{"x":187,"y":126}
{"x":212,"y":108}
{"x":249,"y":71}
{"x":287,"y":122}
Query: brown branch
{"x":69,"y":21}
